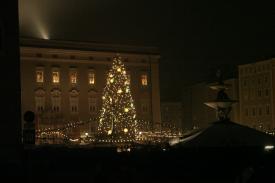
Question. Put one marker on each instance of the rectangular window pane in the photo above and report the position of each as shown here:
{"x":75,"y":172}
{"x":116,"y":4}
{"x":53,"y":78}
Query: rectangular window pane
{"x":55,"y":77}
{"x":73,"y":77}
{"x":92,"y":105}
{"x":39,"y":76}
{"x":74,"y":104}
{"x":144,"y":81}
{"x":91,"y":78}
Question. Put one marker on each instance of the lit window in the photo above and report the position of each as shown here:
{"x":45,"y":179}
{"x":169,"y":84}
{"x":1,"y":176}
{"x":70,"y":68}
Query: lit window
{"x":91,"y":77}
{"x":73,"y":77}
{"x":39,"y":76}
{"x":55,"y":77}
{"x":144,"y":80}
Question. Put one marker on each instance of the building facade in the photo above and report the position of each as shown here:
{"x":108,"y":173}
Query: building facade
{"x":196,"y":114}
{"x":62,"y":82}
{"x":256,"y":84}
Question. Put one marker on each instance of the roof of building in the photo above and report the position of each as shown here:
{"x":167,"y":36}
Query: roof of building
{"x":227,"y":134}
{"x":88,"y":46}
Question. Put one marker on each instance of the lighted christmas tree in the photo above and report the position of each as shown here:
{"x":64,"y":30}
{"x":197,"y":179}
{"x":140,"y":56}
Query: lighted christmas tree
{"x":117,"y":120}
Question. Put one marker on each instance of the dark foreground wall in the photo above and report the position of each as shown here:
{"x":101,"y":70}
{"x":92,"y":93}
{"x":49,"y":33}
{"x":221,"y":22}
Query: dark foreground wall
{"x":9,"y":76}
{"x":147,"y":165}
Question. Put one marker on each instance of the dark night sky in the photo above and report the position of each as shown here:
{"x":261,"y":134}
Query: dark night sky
{"x":195,"y":37}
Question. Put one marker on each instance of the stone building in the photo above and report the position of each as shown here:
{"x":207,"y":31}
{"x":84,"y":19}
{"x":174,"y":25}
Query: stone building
{"x":63,"y":81}
{"x":256,"y":83}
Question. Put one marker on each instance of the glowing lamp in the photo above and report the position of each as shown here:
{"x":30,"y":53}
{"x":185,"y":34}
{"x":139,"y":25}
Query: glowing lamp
{"x":268,"y":147}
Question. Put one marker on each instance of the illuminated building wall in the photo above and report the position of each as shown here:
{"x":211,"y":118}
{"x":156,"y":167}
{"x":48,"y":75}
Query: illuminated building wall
{"x":256,"y":83}
{"x":63,"y":81}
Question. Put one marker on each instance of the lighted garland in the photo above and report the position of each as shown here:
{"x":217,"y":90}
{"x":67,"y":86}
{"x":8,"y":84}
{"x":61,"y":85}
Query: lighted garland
{"x":63,"y":129}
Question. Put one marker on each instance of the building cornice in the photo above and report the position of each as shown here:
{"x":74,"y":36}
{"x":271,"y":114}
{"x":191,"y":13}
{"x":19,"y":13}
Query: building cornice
{"x":89,"y":46}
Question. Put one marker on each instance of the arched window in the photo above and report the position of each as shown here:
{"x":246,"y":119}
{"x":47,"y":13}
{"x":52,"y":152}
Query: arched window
{"x":56,"y":100}
{"x":74,"y":101}
{"x":39,"y":100}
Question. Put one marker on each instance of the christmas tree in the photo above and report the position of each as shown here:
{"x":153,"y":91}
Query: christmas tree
{"x":117,"y":120}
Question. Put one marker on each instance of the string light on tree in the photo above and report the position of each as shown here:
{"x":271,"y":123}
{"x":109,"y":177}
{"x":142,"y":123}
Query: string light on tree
{"x":117,"y":117}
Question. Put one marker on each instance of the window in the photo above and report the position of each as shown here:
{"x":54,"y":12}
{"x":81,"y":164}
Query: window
{"x":55,"y":77}
{"x":74,"y":101}
{"x":56,"y":100}
{"x":39,"y":100}
{"x":74,"y":105}
{"x":266,"y":92}
{"x":267,"y":110}
{"x":259,"y":93}
{"x":144,"y":108}
{"x":73,"y":77}
{"x":39,"y":76}
{"x":91,"y":77}
{"x":144,"y":80}
{"x":39,"y":104}
{"x":92,"y":105}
